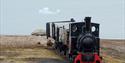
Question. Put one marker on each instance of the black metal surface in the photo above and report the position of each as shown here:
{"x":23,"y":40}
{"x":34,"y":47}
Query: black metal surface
{"x":53,"y":31}
{"x":87,"y":58}
{"x":87,"y":24}
{"x":48,"y":30}
{"x":81,"y":32}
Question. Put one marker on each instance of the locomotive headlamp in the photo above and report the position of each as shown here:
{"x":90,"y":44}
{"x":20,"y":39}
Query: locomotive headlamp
{"x":93,"y":29}
{"x":74,"y":28}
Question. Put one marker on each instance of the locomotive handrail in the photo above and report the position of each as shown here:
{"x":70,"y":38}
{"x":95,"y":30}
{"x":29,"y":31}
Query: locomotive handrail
{"x":72,"y":20}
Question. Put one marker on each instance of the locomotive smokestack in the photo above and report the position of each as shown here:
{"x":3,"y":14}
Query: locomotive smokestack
{"x":88,"y":24}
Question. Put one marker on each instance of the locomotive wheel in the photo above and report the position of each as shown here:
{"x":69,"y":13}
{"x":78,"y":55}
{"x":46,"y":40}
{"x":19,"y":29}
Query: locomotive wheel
{"x":97,"y":61}
{"x":58,"y":50}
{"x":70,"y":58}
{"x":65,"y":52}
{"x":67,"y":55}
{"x":55,"y":46}
{"x":78,"y":61}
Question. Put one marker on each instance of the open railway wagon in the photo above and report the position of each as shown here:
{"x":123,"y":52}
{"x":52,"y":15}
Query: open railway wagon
{"x":79,"y":41}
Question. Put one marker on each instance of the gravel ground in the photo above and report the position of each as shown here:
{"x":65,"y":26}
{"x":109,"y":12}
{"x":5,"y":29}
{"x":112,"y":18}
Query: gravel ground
{"x":32,"y":49}
{"x":30,"y":55}
{"x":113,"y":51}
{"x":27,"y":49}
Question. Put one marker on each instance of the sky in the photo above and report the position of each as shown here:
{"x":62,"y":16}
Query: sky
{"x":24,"y":16}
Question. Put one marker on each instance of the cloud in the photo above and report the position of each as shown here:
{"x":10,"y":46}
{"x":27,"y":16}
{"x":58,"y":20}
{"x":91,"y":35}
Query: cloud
{"x":46,"y":10}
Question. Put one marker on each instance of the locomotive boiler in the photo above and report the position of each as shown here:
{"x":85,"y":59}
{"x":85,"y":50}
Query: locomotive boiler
{"x":78,"y":41}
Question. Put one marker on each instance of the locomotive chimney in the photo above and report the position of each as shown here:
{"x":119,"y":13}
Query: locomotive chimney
{"x":87,"y":24}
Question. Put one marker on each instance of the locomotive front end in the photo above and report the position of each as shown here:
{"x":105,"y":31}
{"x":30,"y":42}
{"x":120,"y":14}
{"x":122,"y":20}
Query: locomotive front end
{"x":85,"y":42}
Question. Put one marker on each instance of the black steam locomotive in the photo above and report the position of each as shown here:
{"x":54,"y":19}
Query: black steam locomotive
{"x":79,"y":41}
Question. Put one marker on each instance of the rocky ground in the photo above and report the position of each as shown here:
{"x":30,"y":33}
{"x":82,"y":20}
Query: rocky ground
{"x":33,"y":49}
{"x":27,"y":49}
{"x":113,"y":51}
{"x":29,"y":55}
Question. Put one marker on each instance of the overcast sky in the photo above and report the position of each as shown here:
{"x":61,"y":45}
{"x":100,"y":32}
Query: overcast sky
{"x":24,"y":16}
